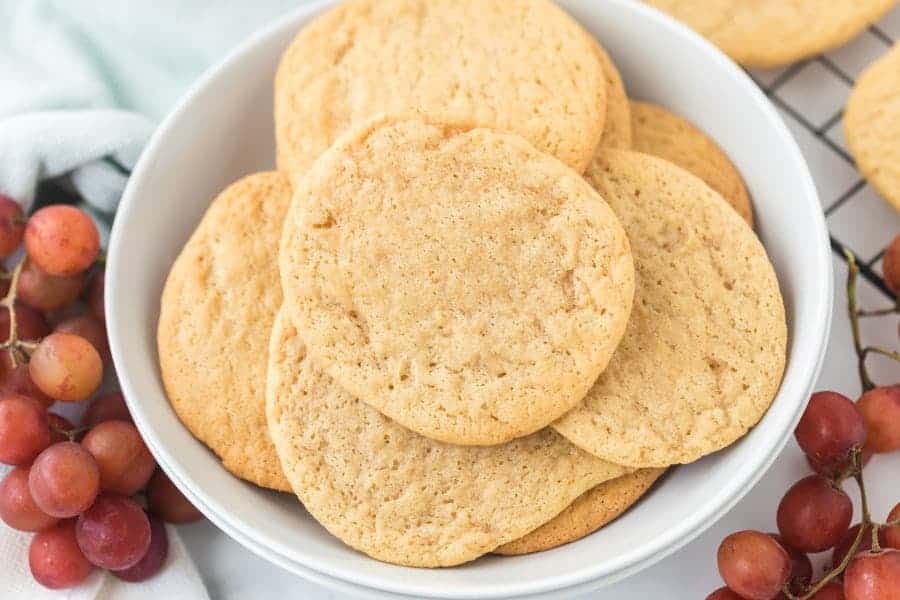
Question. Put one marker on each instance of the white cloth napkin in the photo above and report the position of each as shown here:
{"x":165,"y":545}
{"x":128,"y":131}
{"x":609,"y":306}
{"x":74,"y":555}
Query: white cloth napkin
{"x":178,"y":579}
{"x":84,"y":84}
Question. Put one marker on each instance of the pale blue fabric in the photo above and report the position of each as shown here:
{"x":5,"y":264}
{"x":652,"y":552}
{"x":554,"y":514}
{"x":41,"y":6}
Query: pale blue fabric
{"x":83,"y":83}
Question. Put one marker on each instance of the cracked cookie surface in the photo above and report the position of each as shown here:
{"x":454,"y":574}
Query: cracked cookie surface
{"x":704,"y":351}
{"x":522,"y":66}
{"x":872,"y":125}
{"x":401,"y":497}
{"x":666,"y":135}
{"x":216,"y":314}
{"x":772,"y":33}
{"x":463,"y":283}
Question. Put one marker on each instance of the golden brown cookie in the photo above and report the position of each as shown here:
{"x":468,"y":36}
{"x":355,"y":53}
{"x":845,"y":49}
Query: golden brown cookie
{"x":617,"y":130}
{"x":215,"y":318}
{"x":771,"y":33}
{"x":591,"y":511}
{"x":704,"y":351}
{"x":464,"y":284}
{"x":666,"y":135}
{"x":525,"y":67}
{"x":403,"y":498}
{"x":872,"y":125}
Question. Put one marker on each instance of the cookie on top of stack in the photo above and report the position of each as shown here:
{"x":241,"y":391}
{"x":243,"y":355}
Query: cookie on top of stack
{"x":472,"y":314}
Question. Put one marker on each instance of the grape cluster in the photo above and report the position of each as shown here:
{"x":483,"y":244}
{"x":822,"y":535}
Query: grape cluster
{"x":838,"y":437}
{"x":92,"y":494}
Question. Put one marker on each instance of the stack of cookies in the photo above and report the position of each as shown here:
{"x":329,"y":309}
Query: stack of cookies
{"x":483,"y":303}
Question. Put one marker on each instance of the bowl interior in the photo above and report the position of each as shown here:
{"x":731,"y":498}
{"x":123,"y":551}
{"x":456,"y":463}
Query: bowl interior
{"x":223,"y":130}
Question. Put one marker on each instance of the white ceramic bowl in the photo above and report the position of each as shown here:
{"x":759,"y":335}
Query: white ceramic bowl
{"x":223,"y":129}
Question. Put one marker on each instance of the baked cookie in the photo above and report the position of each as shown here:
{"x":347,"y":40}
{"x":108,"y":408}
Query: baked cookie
{"x":617,"y":128}
{"x":468,"y":286}
{"x":666,"y":135}
{"x":591,"y":511}
{"x":400,"y":497}
{"x":522,"y":66}
{"x":215,"y":318}
{"x":771,"y":33}
{"x":872,"y":125}
{"x":704,"y":351}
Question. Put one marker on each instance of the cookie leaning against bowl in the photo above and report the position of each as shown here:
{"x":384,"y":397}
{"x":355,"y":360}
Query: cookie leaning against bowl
{"x":771,"y":33}
{"x":522,"y":66}
{"x":704,"y":351}
{"x":872,"y":125}
{"x":466,"y":285}
{"x":401,"y":497}
{"x":591,"y":511}
{"x":215,"y":318}
{"x":666,"y":135}
{"x":617,"y":131}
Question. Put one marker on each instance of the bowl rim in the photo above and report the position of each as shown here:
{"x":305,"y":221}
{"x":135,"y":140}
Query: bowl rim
{"x":628,"y":563}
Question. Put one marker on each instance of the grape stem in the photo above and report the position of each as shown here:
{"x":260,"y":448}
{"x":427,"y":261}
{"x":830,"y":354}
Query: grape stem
{"x":879,"y":313}
{"x":71,"y":434}
{"x":862,"y":353}
{"x":13,"y":345}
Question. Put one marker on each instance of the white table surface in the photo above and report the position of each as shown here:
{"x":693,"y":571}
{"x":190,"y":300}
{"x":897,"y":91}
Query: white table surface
{"x":810,"y":96}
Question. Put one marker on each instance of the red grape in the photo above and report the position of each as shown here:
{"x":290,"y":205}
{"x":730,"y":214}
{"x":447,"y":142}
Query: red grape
{"x":723,"y":594}
{"x":90,"y":328}
{"x":873,"y":576}
{"x":66,"y":367}
{"x":832,"y":591}
{"x":24,"y":431}
{"x":30,"y":324}
{"x":114,"y":533}
{"x":890,"y":536}
{"x":831,"y":427}
{"x":801,"y":566}
{"x":95,"y":295}
{"x":843,"y":547}
{"x":17,"y":508}
{"x":64,"y":480}
{"x":155,"y":557}
{"x":18,"y":381}
{"x":125,"y":463}
{"x":12,"y":225}
{"x":59,"y":426}
{"x":168,"y":503}
{"x":890,"y":266}
{"x":880,"y":408}
{"x":754,"y":565}
{"x":48,"y":292}
{"x":62,"y":240}
{"x":55,"y":559}
{"x":107,"y":408}
{"x":814,"y":514}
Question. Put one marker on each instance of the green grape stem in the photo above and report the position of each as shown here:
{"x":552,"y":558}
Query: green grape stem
{"x":71,"y":434}
{"x":862,"y":353}
{"x":879,"y":313}
{"x":12,"y":344}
